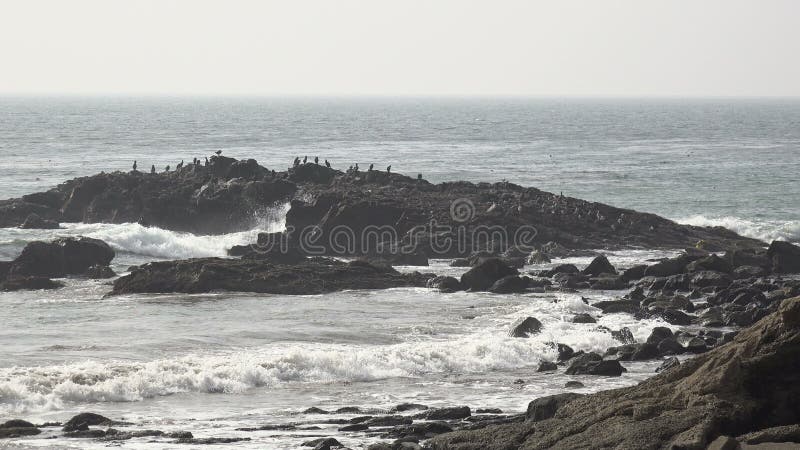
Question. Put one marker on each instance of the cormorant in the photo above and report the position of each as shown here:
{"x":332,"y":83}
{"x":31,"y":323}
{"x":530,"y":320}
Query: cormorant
{"x":206,"y":160}
{"x":356,"y":167}
{"x":166,"y":169}
{"x":153,"y":168}
{"x":305,"y":159}
{"x":327,"y":164}
{"x":218,"y":152}
{"x":180,"y":164}
{"x":389,"y":169}
{"x":134,"y":165}
{"x":297,"y":161}
{"x":371,"y":166}
{"x":419,"y":176}
{"x":316,"y":160}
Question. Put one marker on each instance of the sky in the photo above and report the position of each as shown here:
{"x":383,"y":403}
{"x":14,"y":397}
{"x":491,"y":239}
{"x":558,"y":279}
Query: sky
{"x":627,"y":48}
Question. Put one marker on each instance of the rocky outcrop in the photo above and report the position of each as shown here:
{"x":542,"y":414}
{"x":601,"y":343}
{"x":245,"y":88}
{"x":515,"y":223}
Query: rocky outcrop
{"x":745,"y":388}
{"x":311,"y":276}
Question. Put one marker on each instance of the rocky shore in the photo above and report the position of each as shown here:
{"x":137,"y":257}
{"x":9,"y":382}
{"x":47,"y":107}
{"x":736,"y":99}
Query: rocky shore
{"x":727,"y":369}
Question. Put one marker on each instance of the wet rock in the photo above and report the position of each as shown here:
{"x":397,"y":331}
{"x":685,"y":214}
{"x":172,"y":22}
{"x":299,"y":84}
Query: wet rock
{"x":569,"y":269}
{"x":785,"y":257}
{"x":574,"y":385}
{"x":100,"y":272}
{"x":693,"y":344}
{"x":708,"y":278}
{"x":84,"y":420}
{"x":565,"y":352}
{"x":420,"y":431}
{"x":667,"y":267}
{"x":348,"y":410}
{"x":389,"y":421}
{"x":537,"y":257}
{"x":593,"y":364}
{"x":623,"y":335}
{"x":220,"y":440}
{"x":670,"y":346}
{"x":354,"y":427}
{"x":634,"y":273}
{"x":330,"y":442}
{"x":546,"y":407}
{"x":659,"y":334}
{"x":398,"y":258}
{"x":547,"y":366}
{"x":315,"y":410}
{"x":488,"y":411}
{"x":403,"y":407}
{"x":525,"y":328}
{"x":17,"y":283}
{"x":34,"y":221}
{"x":85,"y":434}
{"x":743,"y":272}
{"x":61,"y":257}
{"x":598,"y":266}
{"x":485,"y":274}
{"x":16,"y":428}
{"x":618,"y":306}
{"x":451,"y":413}
{"x":511,"y":284}
{"x":17,"y":423}
{"x":444,"y":284}
{"x":668,"y":364}
{"x":710,"y":263}
{"x":583,"y":318}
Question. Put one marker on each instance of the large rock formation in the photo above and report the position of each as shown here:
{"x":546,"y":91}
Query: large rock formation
{"x":749,"y":387}
{"x":373,"y":208}
{"x":310,"y":276}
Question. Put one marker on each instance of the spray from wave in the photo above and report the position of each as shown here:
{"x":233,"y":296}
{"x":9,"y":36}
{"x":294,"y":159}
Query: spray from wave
{"x":765,"y":230}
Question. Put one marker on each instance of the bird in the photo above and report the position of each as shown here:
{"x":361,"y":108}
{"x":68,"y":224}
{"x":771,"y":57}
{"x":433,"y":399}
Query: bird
{"x":194,"y":161}
{"x":206,"y":160}
{"x":327,"y":164}
{"x":356,"y":167}
{"x":153,"y":168}
{"x":305,"y":159}
{"x":180,"y":164}
{"x":166,"y":169}
{"x":297,"y":161}
{"x":316,"y":160}
{"x":389,"y":169}
{"x":371,"y":166}
{"x":419,"y":176}
{"x":218,"y":152}
{"x":134,"y":165}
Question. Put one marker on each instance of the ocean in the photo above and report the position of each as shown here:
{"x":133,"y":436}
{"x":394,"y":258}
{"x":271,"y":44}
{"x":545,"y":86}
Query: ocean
{"x":212,"y":363}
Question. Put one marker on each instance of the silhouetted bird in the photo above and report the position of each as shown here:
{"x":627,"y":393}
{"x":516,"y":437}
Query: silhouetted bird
{"x":305,"y":159}
{"x":153,"y":168}
{"x":327,"y":164}
{"x":194,"y":161}
{"x":180,"y":164}
{"x":206,"y":160}
{"x":356,"y":167}
{"x":419,"y":176}
{"x":350,"y":169}
{"x":316,"y":160}
{"x":134,"y":165}
{"x":166,"y":169}
{"x":371,"y":166}
{"x":218,"y":152}
{"x":297,"y":161}
{"x":389,"y":169}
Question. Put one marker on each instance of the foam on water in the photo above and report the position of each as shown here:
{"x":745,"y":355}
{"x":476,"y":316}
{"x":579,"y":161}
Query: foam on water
{"x":765,"y":230}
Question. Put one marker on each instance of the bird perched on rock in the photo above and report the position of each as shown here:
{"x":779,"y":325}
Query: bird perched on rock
{"x":419,"y":176}
{"x":389,"y":169}
{"x":355,"y":167}
{"x":206,"y":160}
{"x":327,"y":164}
{"x":153,"y":168}
{"x":305,"y":159}
{"x":166,"y":169}
{"x":218,"y":152}
{"x":371,"y":166}
{"x":316,"y":160}
{"x":297,"y":161}
{"x":180,"y":164}
{"x":134,"y":165}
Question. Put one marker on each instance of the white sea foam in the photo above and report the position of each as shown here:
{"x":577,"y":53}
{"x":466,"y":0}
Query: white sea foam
{"x":765,"y":230}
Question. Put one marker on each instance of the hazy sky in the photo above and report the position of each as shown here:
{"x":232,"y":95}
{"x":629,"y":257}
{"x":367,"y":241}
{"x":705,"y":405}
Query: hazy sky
{"x":406,"y":47}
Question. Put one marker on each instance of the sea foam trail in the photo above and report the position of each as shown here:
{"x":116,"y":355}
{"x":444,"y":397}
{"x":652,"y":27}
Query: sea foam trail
{"x":765,"y":230}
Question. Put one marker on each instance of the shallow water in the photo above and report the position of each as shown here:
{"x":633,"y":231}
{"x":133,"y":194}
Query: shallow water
{"x":212,"y":363}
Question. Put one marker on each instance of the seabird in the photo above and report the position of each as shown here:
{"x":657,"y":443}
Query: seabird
{"x":316,"y":160}
{"x":305,"y":159}
{"x":356,"y":167}
{"x":166,"y":169}
{"x":327,"y":164}
{"x":389,"y":169}
{"x":371,"y":166}
{"x":218,"y":152}
{"x":153,"y":168}
{"x":180,"y":164}
{"x":206,"y":160}
{"x":134,"y":165}
{"x":419,"y":176}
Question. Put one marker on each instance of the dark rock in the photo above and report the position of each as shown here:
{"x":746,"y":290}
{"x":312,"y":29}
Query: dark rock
{"x":634,"y":273}
{"x":618,"y":306}
{"x":708,"y":278}
{"x":85,"y":434}
{"x":537,"y":257}
{"x":222,"y":440}
{"x":17,"y":283}
{"x":668,"y":364}
{"x":488,"y":411}
{"x":422,"y":430}
{"x":611,"y":368}
{"x":565,"y":352}
{"x":33,"y":221}
{"x":547,"y":366}
{"x":330,"y":442}
{"x":17,"y":423}
{"x":583,"y":318}
{"x":15,"y":432}
{"x":743,"y":272}
{"x":546,"y":407}
{"x":670,"y":346}
{"x":562,"y":268}
{"x":667,"y":267}
{"x":574,"y":385}
{"x":315,"y":410}
{"x":312,"y":276}
{"x":527,"y":327}
{"x":407,"y":407}
{"x":485,"y":274}
{"x":659,"y":334}
{"x":389,"y":421}
{"x":785,"y":257}
{"x":83,"y":420}
{"x":100,"y":272}
{"x":355,"y":427}
{"x":712,"y":263}
{"x":61,"y":257}
{"x":511,"y":284}
{"x":623,"y":335}
{"x":599,"y":265}
{"x":444,"y":284}
{"x":452,"y":413}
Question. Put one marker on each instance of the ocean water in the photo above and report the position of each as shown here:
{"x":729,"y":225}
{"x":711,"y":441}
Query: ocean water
{"x":213,"y":363}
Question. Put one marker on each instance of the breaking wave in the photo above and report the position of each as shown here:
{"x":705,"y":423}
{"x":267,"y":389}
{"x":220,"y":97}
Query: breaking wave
{"x":765,"y":230}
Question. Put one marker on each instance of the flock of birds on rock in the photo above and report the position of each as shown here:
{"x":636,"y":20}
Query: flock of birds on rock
{"x":297,"y":162}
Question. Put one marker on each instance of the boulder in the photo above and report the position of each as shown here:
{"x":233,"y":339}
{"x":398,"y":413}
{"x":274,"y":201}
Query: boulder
{"x":707,"y":278}
{"x":17,"y":283}
{"x":634,"y":273}
{"x":98,"y":272}
{"x":451,"y":413}
{"x":485,"y":274}
{"x":562,"y":268}
{"x":711,"y":262}
{"x":667,"y":267}
{"x":546,"y":407}
{"x":668,"y":363}
{"x":618,"y":306}
{"x":583,"y":318}
{"x":510,"y":284}
{"x":83,"y":420}
{"x":593,"y":364}
{"x":547,"y":366}
{"x":525,"y":328}
{"x":785,"y":257}
{"x":444,"y":284}
{"x":61,"y":257}
{"x":599,"y":265}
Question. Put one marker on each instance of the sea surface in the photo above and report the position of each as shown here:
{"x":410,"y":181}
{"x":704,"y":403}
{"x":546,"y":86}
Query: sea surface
{"x":212,"y":363}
